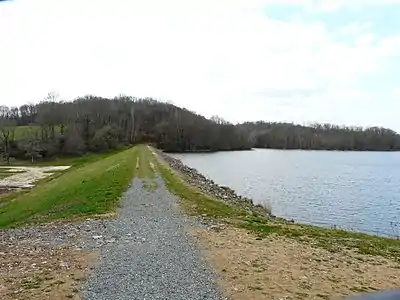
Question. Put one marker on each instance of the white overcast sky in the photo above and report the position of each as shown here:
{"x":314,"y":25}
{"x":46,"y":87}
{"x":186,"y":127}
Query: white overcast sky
{"x":302,"y":61}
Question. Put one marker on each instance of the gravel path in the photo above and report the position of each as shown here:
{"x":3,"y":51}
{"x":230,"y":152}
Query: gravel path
{"x":150,"y":256}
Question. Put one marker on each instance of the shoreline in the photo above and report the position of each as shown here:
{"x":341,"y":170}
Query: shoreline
{"x":207,"y":186}
{"x":253,"y":256}
{"x":207,"y":151}
{"x":258,"y":257}
{"x":283,"y":149}
{"x":224,"y":193}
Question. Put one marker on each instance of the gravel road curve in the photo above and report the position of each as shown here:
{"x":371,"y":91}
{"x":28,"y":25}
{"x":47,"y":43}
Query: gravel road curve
{"x":150,"y":256}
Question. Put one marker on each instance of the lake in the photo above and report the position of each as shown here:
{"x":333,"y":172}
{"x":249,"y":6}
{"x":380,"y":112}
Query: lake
{"x":357,"y":191}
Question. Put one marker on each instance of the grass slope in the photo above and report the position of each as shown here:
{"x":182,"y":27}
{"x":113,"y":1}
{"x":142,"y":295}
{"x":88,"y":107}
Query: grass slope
{"x":25,"y":131}
{"x":90,"y":187}
{"x":332,"y":240}
{"x":62,"y":161}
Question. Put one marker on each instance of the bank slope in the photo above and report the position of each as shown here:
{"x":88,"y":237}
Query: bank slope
{"x":93,"y":188}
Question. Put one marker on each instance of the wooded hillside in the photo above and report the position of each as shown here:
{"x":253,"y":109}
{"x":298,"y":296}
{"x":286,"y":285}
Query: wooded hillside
{"x":53,"y":128}
{"x":322,"y":137}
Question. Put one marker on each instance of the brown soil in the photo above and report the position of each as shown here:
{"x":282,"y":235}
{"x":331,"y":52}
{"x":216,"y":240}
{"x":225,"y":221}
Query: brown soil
{"x":282,"y":268}
{"x":36,"y":272}
{"x":4,"y":192}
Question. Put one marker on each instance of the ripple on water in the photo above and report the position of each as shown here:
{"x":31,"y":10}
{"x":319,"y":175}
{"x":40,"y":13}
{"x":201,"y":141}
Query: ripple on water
{"x":358,"y":191}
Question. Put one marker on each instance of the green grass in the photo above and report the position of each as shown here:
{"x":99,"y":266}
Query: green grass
{"x":330,"y":239}
{"x":78,"y":161}
{"x":92,"y":186}
{"x":145,"y":157}
{"x":63,"y":161}
{"x":95,"y":182}
{"x":74,"y":162}
{"x":22,"y":132}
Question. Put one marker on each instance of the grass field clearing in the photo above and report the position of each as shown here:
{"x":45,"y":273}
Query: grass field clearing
{"x":92,"y":186}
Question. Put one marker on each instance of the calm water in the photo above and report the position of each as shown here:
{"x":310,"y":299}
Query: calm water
{"x":358,"y":191}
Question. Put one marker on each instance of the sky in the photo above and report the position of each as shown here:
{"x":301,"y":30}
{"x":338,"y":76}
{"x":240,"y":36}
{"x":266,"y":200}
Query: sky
{"x":335,"y":61}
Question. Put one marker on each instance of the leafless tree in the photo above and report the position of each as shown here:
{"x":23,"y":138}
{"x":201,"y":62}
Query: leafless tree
{"x":7,"y":130}
{"x":90,"y":123}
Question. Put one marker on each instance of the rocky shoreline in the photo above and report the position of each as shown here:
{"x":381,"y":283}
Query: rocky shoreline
{"x":209,"y":187}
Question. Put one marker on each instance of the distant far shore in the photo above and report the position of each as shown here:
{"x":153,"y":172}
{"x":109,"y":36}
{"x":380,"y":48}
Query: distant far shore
{"x":286,"y":149}
{"x":206,"y":151}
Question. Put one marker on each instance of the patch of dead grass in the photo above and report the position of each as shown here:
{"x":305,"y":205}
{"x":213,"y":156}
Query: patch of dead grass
{"x":278,"y":267}
{"x":40,"y":273}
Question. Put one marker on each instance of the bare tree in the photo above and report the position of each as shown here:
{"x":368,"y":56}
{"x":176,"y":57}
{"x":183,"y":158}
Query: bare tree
{"x":7,"y":130}
{"x":92,"y":123}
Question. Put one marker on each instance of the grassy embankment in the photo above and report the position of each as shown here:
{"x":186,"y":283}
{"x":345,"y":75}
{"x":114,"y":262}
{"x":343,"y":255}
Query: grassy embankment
{"x":257,"y":258}
{"x":93,"y":185}
{"x":197,"y":203}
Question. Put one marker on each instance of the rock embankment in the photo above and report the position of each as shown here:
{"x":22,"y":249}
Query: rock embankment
{"x":209,"y":187}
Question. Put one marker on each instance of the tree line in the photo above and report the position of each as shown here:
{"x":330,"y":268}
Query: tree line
{"x":96,"y":124}
{"x":322,"y":137}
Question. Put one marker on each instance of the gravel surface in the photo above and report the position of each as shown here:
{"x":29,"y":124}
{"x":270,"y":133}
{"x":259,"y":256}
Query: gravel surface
{"x":147,"y":253}
{"x":76,"y":236}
